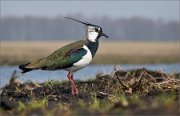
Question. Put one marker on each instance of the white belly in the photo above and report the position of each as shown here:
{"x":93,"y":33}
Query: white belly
{"x":86,"y":59}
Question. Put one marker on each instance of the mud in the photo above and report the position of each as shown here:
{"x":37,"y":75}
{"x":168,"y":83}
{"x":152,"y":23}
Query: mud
{"x":146,"y":84}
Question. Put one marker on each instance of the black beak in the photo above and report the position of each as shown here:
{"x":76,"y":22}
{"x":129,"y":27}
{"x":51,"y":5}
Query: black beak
{"x":103,"y":34}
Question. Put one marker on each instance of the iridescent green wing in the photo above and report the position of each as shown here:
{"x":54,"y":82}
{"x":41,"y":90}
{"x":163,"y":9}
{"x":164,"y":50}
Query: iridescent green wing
{"x":66,"y":56}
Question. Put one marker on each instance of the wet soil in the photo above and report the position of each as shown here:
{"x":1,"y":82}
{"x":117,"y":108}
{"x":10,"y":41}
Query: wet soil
{"x":130,"y":92}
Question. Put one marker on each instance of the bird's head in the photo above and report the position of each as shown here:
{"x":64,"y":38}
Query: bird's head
{"x":93,"y":32}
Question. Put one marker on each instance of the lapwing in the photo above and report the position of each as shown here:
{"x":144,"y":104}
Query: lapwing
{"x":71,"y":57}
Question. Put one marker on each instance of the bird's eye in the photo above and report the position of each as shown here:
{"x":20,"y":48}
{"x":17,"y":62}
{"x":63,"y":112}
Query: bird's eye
{"x":96,"y":29}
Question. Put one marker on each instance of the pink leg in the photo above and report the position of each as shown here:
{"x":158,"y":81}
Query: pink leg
{"x":74,"y":89}
{"x":74,"y":86}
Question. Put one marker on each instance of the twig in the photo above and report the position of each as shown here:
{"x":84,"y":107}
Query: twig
{"x":140,"y":78}
{"x":163,"y":74}
{"x":116,"y":68}
{"x":115,"y":73}
{"x":121,"y":82}
{"x":150,"y":76}
{"x":169,"y":80}
{"x":103,"y":93}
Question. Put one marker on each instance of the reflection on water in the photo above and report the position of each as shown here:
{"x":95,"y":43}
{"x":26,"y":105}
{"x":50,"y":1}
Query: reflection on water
{"x":88,"y":72}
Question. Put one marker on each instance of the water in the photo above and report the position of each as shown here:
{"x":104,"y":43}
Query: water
{"x":88,"y":72}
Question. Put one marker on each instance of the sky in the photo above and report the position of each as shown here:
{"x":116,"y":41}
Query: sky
{"x":166,"y":10}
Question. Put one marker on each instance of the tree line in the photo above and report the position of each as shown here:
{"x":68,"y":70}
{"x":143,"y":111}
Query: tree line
{"x":59,"y":28}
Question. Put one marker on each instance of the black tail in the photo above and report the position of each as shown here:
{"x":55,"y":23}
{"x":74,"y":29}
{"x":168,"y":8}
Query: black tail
{"x":24,"y":69}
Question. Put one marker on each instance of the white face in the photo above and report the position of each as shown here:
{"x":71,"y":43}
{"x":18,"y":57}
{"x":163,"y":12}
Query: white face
{"x":92,"y":33}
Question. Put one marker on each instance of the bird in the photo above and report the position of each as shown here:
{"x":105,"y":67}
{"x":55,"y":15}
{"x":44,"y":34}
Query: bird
{"x":71,"y":57}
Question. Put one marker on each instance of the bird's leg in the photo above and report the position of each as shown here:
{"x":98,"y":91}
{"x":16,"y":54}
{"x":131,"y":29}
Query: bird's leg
{"x":75,"y":88}
{"x":72,"y":87}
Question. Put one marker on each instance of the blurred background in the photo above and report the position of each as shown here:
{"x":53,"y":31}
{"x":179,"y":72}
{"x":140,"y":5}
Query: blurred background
{"x":122,"y":20}
{"x":142,"y":33}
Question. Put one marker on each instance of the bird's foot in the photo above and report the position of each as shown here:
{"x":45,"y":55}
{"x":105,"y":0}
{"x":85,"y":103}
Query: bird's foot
{"x":76,"y":91}
{"x":72,"y":93}
{"x":72,"y":90}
